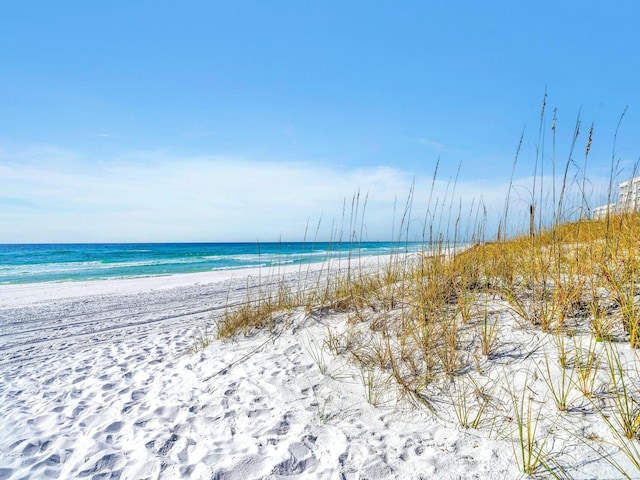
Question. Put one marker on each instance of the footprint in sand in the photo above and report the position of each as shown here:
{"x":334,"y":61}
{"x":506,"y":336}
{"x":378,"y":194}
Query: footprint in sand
{"x":284,"y":426}
{"x":300,"y":460}
{"x":31,"y":449}
{"x":230,"y":393}
{"x":115,"y":427}
{"x":110,"y":464}
{"x":137,"y":395}
{"x":231,"y":416}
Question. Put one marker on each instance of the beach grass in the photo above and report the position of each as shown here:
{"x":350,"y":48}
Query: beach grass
{"x":430,"y":327}
{"x":551,"y":310}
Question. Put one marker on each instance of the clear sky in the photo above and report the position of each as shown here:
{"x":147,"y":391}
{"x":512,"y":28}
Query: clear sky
{"x":245,"y":120}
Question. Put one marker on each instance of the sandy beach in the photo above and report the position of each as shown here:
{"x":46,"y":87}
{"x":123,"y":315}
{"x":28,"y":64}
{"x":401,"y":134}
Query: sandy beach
{"x":319,"y":240}
{"x":101,"y":380}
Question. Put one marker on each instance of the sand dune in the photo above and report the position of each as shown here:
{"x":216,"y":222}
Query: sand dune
{"x":101,"y":381}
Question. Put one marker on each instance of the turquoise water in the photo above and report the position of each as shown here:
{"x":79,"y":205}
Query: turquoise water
{"x":78,"y":262}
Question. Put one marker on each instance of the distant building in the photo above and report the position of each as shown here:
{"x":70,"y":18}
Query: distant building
{"x":629,"y":195}
{"x":601,"y":212}
{"x":628,"y":199}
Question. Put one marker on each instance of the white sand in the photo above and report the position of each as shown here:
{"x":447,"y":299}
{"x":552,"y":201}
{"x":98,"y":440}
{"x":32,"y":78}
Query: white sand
{"x":98,"y":382}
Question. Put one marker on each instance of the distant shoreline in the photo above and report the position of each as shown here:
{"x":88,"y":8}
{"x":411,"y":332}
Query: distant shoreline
{"x":46,"y":263}
{"x":15,"y":295}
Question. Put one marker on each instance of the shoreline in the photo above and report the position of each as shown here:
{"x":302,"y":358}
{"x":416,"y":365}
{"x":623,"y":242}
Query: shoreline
{"x":23,"y":294}
{"x":13,"y":295}
{"x":50,"y":264}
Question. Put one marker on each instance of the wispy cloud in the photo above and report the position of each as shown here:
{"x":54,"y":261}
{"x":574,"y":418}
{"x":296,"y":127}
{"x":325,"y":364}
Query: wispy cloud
{"x":441,"y":147}
{"x":156,"y":196}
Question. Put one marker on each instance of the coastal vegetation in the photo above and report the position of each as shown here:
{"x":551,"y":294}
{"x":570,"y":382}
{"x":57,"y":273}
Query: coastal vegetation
{"x":530,"y":338}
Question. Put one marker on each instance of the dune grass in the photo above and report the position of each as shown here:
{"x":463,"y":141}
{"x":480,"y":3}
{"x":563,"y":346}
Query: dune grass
{"x":432,"y":325}
{"x":558,"y":303}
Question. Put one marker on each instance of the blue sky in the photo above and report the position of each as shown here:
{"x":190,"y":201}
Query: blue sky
{"x":222,"y":121}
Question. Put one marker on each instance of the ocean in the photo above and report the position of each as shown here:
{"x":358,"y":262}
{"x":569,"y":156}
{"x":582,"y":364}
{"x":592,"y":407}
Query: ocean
{"x":36,"y":263}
